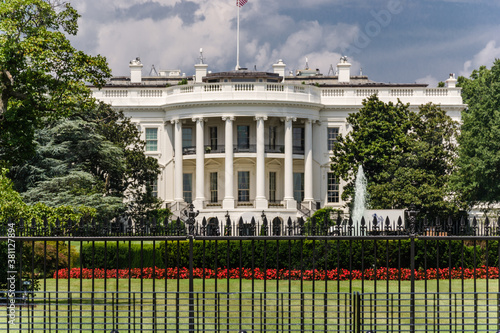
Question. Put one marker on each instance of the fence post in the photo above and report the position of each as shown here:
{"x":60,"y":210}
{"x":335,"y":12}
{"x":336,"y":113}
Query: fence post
{"x":412,"y":214}
{"x":191,"y":285}
{"x":357,"y":315}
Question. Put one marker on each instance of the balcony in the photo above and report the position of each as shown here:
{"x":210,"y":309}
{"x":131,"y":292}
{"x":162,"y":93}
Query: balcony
{"x":211,"y":204}
{"x":298,"y":150}
{"x":245,"y":204}
{"x":221,"y":149}
{"x":189,"y":150}
{"x":276,"y":92}
{"x":245,"y":148}
{"x":279,"y":149}
{"x":215,"y":149}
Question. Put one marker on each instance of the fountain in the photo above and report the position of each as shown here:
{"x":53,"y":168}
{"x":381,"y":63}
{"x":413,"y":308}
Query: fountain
{"x":359,"y":207}
{"x":360,"y":202}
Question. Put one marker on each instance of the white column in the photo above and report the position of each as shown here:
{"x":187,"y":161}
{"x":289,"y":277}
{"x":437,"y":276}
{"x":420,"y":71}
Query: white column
{"x":228,"y":202}
{"x":260,"y":197}
{"x":308,"y":162}
{"x":178,"y":195}
{"x":200,"y":164}
{"x":288,"y":198}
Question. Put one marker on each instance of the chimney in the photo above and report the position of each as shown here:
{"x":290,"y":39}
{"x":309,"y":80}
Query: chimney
{"x":135,"y":70}
{"x":201,"y":71}
{"x":279,"y":68}
{"x":451,"y":82}
{"x":344,"y":70}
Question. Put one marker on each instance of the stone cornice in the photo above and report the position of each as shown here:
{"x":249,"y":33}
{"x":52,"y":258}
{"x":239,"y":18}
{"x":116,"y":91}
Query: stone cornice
{"x":202,"y":104}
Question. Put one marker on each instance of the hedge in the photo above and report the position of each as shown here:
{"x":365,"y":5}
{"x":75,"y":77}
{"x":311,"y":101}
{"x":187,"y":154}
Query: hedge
{"x":287,"y":254}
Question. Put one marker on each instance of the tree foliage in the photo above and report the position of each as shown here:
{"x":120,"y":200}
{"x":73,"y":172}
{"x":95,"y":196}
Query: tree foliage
{"x":95,"y":157}
{"x":14,"y":208}
{"x":41,"y":75}
{"x":407,"y":156}
{"x":478,"y":175}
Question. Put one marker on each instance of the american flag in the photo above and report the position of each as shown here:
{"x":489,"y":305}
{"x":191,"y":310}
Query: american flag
{"x":241,"y":3}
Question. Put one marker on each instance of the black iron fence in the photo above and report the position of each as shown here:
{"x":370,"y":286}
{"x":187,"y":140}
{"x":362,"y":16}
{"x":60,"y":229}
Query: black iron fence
{"x":295,"y":276}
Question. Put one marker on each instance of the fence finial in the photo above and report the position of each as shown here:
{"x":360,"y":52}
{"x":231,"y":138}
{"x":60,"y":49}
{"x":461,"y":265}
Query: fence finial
{"x":412,"y":214}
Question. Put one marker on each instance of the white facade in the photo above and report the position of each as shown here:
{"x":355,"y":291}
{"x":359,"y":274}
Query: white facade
{"x":244,"y":142}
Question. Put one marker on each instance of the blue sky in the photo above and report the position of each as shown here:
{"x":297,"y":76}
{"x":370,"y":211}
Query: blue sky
{"x":398,"y":41}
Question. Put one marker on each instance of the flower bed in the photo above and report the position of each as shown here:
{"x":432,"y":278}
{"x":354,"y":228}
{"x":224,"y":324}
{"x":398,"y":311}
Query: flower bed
{"x":283,"y":274}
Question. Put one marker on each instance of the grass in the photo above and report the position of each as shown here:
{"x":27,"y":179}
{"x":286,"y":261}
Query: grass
{"x":259,"y":306}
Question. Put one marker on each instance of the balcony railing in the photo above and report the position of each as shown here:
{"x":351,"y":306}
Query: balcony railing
{"x":278,"y":92}
{"x":212,"y":204}
{"x":275,"y":149}
{"x":189,"y":150}
{"x":243,"y":204}
{"x":221,"y":149}
{"x":299,"y":150}
{"x":275,"y":203}
{"x":215,"y":149}
{"x":245,"y":148}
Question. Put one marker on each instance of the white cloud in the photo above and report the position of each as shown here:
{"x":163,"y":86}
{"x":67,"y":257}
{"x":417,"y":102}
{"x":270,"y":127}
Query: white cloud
{"x":430,"y":80}
{"x":113,"y":29}
{"x":485,"y":57}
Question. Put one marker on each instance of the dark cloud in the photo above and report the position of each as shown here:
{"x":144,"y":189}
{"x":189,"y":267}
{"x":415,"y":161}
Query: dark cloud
{"x":185,"y":10}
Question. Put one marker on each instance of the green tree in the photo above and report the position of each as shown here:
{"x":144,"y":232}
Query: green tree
{"x":478,"y":175}
{"x":95,"y":158}
{"x":407,"y":156}
{"x":14,"y":208}
{"x":41,"y":75}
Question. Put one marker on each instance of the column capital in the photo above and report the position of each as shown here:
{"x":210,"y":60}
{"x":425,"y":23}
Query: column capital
{"x":284,"y":119}
{"x":231,"y":118}
{"x":196,"y":119}
{"x":175,"y":121}
{"x":260,"y":118}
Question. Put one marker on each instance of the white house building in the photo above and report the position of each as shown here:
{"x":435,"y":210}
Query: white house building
{"x":243,"y":142}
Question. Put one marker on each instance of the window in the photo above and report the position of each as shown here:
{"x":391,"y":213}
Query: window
{"x":272,"y":186}
{"x":151,"y":139}
{"x":153,"y":188}
{"x":187,"y":137}
{"x":243,"y":136}
{"x":213,"y":187}
{"x":298,"y":140}
{"x":298,"y":186}
{"x":187,"y":183}
{"x":272,"y":137}
{"x":333,"y":188}
{"x":213,"y":138}
{"x":333,"y":132}
{"x":243,"y":186}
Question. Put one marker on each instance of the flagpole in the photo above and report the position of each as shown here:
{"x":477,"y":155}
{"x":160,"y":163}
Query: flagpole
{"x":238,"y":38}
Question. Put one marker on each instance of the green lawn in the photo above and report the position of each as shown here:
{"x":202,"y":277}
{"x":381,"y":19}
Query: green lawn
{"x":275,"y":306}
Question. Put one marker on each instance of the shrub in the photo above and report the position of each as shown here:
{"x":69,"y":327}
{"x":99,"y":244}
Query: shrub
{"x":289,"y":254}
{"x":48,"y":257}
{"x":116,"y":255}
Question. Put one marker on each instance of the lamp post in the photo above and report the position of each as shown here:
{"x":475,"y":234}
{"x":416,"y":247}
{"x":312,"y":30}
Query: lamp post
{"x":26,"y":286}
{"x":191,"y":214}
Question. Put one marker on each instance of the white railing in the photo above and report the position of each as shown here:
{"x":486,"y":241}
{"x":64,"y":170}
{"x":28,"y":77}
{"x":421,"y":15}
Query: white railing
{"x":275,"y":87}
{"x":244,"y":87}
{"x":299,"y":89}
{"x":436,"y":92}
{"x":212,"y":87}
{"x":277,"y":92}
{"x":151,"y":93}
{"x":366,"y":92}
{"x":401,"y":92}
{"x":332,"y":92}
{"x":187,"y":89}
{"x":114,"y":93}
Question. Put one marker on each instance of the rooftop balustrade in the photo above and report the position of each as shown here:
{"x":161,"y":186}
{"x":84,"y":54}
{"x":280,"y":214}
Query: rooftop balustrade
{"x":279,"y":92}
